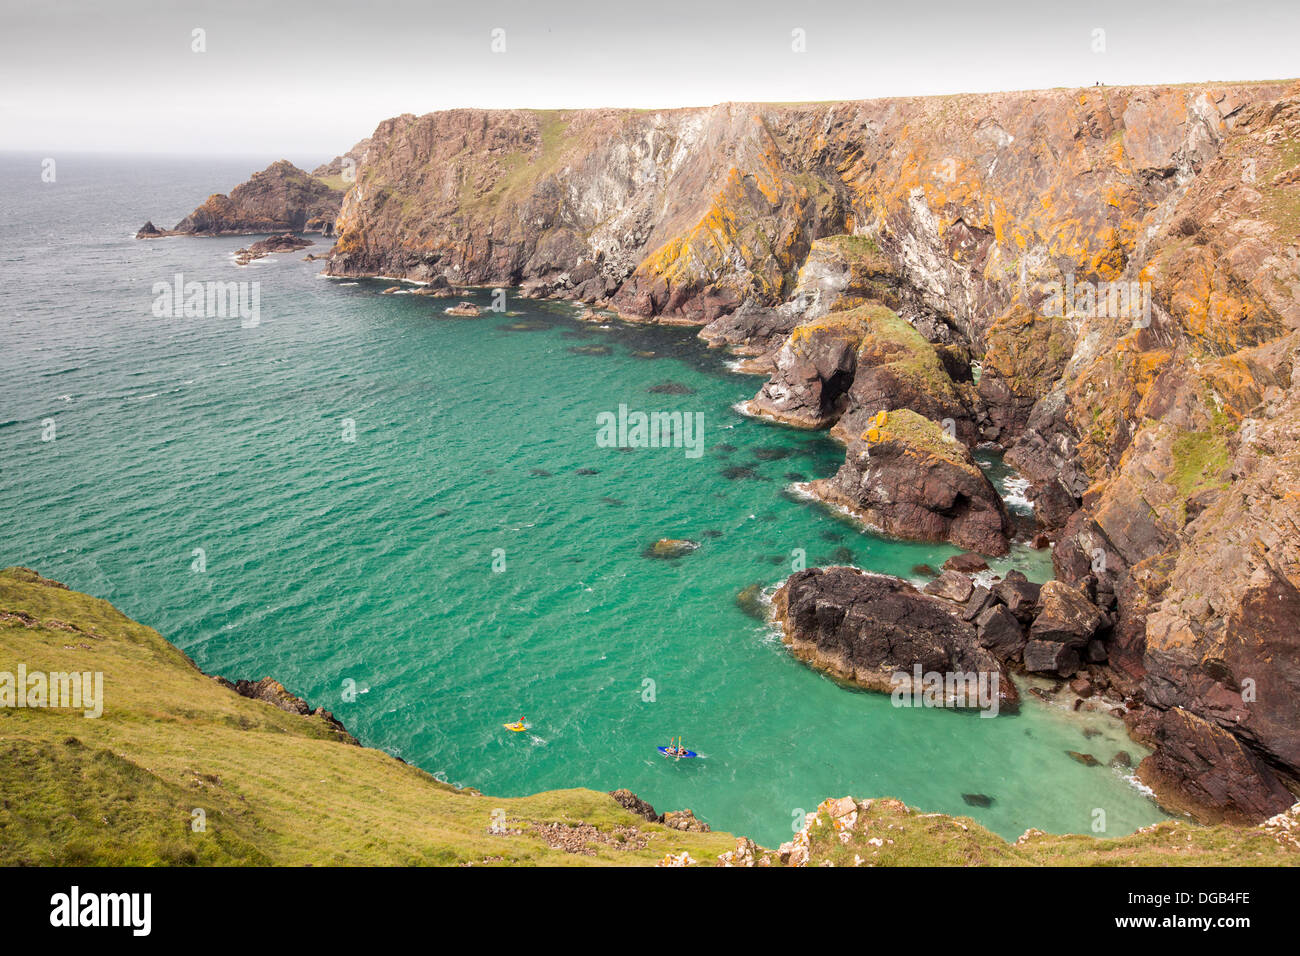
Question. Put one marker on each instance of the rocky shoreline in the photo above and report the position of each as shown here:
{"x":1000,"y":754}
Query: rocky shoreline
{"x":895,"y":269}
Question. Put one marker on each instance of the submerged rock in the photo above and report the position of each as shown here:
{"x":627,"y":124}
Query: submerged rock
{"x":750,"y":600}
{"x":967,"y":563}
{"x":977,"y":799}
{"x":670,"y":548}
{"x":671,"y":388}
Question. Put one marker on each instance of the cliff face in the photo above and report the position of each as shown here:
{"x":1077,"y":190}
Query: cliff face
{"x":1121,"y":264}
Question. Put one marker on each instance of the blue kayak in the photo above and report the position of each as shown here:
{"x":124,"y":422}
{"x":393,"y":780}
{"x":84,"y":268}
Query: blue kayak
{"x":685,"y":753}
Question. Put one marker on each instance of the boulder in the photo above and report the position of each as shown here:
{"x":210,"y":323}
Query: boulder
{"x":968,"y":562}
{"x":1001,"y":632}
{"x":1065,"y":616}
{"x":1051,"y":657}
{"x":1082,"y":687}
{"x":438,"y":285}
{"x":981,"y":598}
{"x":1019,"y":594}
{"x":670,"y":548}
{"x":951,"y":586}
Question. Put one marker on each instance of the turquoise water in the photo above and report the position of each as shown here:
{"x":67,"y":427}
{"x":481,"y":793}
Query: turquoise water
{"x":371,"y":561}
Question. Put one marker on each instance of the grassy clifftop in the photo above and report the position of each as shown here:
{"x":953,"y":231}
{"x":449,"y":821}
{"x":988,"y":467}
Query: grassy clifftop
{"x":278,"y":788}
{"x":275,"y":787}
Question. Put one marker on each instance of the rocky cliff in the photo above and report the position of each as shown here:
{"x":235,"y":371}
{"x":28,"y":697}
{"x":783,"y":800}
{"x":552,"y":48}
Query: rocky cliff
{"x":281,"y":198}
{"x":1108,"y":277}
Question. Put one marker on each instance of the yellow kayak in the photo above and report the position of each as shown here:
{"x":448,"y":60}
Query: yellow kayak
{"x":515,"y":727}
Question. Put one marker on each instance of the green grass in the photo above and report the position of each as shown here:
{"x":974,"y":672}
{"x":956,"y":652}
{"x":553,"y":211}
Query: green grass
{"x":917,"y":431}
{"x":1200,"y":459}
{"x":1282,"y":203}
{"x":276,"y":788}
{"x":281,"y":789}
{"x":522,"y":170}
{"x":863,"y":252}
{"x":336,"y":181}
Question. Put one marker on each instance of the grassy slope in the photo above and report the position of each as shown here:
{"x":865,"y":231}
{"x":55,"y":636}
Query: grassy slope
{"x":278,"y":788}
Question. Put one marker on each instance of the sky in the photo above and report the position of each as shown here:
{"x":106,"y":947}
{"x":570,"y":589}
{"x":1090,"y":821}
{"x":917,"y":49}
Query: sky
{"x":312,"y":78}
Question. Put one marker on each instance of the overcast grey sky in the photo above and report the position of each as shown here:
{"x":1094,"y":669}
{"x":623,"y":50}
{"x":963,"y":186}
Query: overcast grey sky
{"x":313,"y":77}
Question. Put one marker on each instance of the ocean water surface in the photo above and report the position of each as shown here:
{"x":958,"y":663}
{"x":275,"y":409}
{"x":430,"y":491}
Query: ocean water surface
{"x":415,"y":505}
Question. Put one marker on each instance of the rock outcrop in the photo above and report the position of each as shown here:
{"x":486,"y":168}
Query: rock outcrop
{"x":907,"y":477}
{"x":845,"y":366}
{"x":865,"y":628}
{"x":1207,"y":772}
{"x":286,"y":242}
{"x":813,"y":371}
{"x":281,"y":198}
{"x":271,"y":691}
